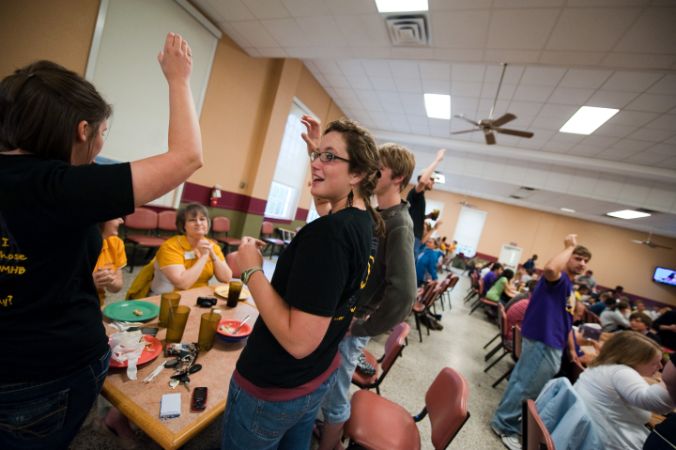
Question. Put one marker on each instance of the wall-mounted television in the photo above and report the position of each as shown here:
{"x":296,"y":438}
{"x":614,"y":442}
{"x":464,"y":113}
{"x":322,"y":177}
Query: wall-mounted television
{"x":664,"y":276}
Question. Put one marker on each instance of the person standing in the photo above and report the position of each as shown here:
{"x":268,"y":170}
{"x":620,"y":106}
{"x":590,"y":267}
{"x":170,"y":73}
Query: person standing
{"x":416,"y":200}
{"x":390,"y":292}
{"x":546,"y":332}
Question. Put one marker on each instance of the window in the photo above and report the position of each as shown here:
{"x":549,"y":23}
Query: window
{"x":468,"y":230}
{"x":291,"y":168}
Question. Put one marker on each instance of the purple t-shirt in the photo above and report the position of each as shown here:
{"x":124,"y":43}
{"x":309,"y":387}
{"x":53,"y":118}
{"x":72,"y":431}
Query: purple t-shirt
{"x":489,"y":280}
{"x":549,"y":315}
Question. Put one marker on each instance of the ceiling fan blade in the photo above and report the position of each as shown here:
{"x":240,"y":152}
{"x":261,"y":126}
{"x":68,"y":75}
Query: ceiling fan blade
{"x":520,"y":133}
{"x":476,"y":124}
{"x":465,"y":131}
{"x":503,"y":119}
{"x":490,"y":137}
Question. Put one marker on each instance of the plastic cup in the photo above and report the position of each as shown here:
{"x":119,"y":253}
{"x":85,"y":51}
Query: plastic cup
{"x":233,"y":293}
{"x":168,"y":301}
{"x":178,"y":317}
{"x":208,"y":324}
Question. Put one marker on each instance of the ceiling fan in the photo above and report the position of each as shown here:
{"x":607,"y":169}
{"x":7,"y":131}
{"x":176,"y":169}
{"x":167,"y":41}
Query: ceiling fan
{"x":490,"y":125}
{"x":650,"y":243}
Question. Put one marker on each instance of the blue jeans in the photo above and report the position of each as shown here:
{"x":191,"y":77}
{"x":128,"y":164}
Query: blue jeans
{"x":49,"y":414}
{"x":253,"y":424}
{"x":336,"y":404}
{"x":537,"y":365}
{"x":417,"y":248}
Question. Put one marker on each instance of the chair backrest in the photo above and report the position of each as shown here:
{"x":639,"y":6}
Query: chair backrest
{"x":142,"y":219}
{"x":231,"y":260}
{"x":446,"y":403}
{"x":267,"y":228}
{"x":394,"y":345}
{"x":429,"y":293}
{"x":453,"y":281}
{"x":502,"y":321}
{"x":516,"y":344}
{"x":220,"y":225}
{"x":535,"y":434}
{"x":166,"y":221}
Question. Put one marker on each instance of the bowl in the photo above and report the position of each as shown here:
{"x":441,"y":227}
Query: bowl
{"x":241,"y":334}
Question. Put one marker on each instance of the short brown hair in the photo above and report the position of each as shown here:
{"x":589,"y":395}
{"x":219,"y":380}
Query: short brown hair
{"x":641,"y":317}
{"x":400,"y":160}
{"x":583,"y":251}
{"x":629,"y":348}
{"x":188,"y":212}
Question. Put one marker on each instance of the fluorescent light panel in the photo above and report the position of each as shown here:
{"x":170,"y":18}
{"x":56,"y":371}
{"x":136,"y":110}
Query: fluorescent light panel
{"x":628,"y":214}
{"x":587,"y":119}
{"x":389,"y":6}
{"x":438,"y":106}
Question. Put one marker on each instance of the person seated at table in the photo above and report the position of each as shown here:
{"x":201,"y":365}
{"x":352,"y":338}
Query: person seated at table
{"x":291,"y":357}
{"x":491,"y":277}
{"x":619,"y":400}
{"x":642,"y":323}
{"x":665,"y":325}
{"x":587,"y":279}
{"x":426,"y":265}
{"x":663,"y":436}
{"x":605,"y":299}
{"x":614,"y":317}
{"x":190,"y":259}
{"x":503,"y":289}
{"x":112,"y":259}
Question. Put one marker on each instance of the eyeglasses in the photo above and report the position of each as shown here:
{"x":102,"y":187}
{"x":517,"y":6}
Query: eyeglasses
{"x":326,"y":157}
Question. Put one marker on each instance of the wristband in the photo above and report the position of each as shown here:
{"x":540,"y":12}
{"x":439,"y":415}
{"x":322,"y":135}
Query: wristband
{"x":247,"y":274}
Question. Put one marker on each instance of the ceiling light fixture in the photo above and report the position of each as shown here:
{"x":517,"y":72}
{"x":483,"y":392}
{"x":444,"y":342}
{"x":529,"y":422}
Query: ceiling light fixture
{"x":628,"y":214}
{"x":587,"y":119}
{"x":438,"y":106}
{"x":568,"y":210}
{"x":390,"y":6}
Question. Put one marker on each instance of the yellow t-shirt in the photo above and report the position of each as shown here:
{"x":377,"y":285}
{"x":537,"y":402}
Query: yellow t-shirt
{"x":177,"y":250}
{"x":112,"y":255}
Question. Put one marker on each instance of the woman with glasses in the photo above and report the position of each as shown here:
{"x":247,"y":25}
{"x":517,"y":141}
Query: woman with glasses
{"x":305,"y":310}
{"x":55,"y":350}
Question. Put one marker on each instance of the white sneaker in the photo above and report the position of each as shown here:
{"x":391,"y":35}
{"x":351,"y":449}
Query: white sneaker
{"x":511,"y":442}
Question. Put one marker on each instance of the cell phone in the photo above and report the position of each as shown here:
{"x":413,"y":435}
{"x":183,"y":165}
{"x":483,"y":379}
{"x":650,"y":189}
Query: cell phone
{"x":199,"y":399}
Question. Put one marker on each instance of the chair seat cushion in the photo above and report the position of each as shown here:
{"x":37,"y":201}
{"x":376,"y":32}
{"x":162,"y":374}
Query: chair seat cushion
{"x":380,"y":424}
{"x":146,"y":241}
{"x":364,"y":380}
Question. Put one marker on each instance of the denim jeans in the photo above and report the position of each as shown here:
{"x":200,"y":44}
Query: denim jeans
{"x":537,"y":365}
{"x":417,"y":248}
{"x":250,"y":423}
{"x":336,"y":404}
{"x":49,"y":414}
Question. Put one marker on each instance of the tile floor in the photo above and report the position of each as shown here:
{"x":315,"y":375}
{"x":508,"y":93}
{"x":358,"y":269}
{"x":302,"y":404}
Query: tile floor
{"x":458,"y":345}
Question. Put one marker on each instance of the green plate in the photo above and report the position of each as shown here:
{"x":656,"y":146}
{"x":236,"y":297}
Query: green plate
{"x":124,"y":311}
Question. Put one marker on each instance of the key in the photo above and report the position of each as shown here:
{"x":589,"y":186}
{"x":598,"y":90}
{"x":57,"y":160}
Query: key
{"x":173,"y":383}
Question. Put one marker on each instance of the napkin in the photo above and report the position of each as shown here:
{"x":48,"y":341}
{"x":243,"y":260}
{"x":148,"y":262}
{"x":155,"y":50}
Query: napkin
{"x":128,"y":346}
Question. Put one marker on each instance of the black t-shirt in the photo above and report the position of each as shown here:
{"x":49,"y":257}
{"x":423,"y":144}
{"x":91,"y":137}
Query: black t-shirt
{"x":416,"y":209}
{"x":319,"y":273}
{"x":668,"y":338}
{"x":50,"y":319}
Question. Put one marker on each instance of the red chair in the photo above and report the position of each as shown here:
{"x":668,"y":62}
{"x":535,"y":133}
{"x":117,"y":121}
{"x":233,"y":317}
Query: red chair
{"x":505,"y":344}
{"x":535,"y":435}
{"x":231,"y":260}
{"x":516,"y":353}
{"x":146,"y":220}
{"x":166,"y":221}
{"x":380,"y":424}
{"x":222,"y":225}
{"x":393,"y":347}
{"x":267,"y":232}
{"x":425,"y":299}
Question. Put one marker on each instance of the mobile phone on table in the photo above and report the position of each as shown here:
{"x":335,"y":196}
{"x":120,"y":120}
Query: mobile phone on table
{"x":199,"y":399}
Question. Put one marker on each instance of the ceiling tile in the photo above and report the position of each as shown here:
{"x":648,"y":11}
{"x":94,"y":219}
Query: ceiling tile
{"x":635,"y":118}
{"x":485,"y":106}
{"x":666,"y":85}
{"x":584,"y":78}
{"x":558,"y":182}
{"x":542,"y":76}
{"x":669,"y":163}
{"x":467,"y":72}
{"x":465,"y":89}
{"x":337,"y":80}
{"x":660,"y":198}
{"x":631,"y":81}
{"x":352,"y":7}
{"x":558,"y":111}
{"x":634,"y":194}
{"x":226,"y":10}
{"x":357,"y":82}
{"x":631,"y":145}
{"x":590,"y":29}
{"x":443,"y":5}
{"x":276,"y":52}
{"x":668,"y":148}
{"x":610,"y":129}
{"x":410,"y":85}
{"x":533,"y":93}
{"x":599,"y":141}
{"x":404,"y":69}
{"x":513,"y":56}
{"x":254,"y":32}
{"x":520,"y":29}
{"x":548,"y":123}
{"x":652,"y":135}
{"x":383,"y":84}
{"x":654,"y":32}
{"x":363,"y":31}
{"x":460,"y":29}
{"x":414,"y":104}
{"x":377,"y":68}
{"x":369,"y":99}
{"x":653,"y":102}
{"x":582,"y":185}
{"x":527,"y":3}
{"x":464,"y":105}
{"x":664,"y":122}
{"x":436,"y":86}
{"x":513,"y":73}
{"x":323,"y":30}
{"x":267,"y":9}
{"x":412,"y":53}
{"x":611,"y":99}
{"x":585,"y":150}
{"x":571,"y":58}
{"x":607,"y":189}
{"x":454,"y":54}
{"x":488,"y":90}
{"x":304,"y":8}
{"x":524,"y":108}
{"x":570,"y":96}
{"x":286,"y":32}
{"x":641,"y":61}
{"x":352,"y":67}
{"x":435,"y":71}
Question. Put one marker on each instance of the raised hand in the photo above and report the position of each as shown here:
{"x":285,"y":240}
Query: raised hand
{"x":314,"y":132}
{"x":176,"y":58}
{"x":570,"y":241}
{"x":248,"y":253}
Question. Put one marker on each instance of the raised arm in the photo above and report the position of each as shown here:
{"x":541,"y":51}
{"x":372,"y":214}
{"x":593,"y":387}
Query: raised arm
{"x":314,"y":132}
{"x":429,"y":170}
{"x":556,"y":265}
{"x":155,"y":176}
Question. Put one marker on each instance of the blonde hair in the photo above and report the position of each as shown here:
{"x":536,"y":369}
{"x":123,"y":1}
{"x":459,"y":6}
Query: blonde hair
{"x":400,"y":160}
{"x":629,"y":348}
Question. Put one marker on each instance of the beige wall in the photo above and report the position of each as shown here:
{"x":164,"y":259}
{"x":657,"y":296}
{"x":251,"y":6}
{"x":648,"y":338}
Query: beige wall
{"x":615,"y":260}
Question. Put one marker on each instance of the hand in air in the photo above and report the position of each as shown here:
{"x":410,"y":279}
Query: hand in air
{"x":314,"y":132}
{"x":570,"y":241}
{"x":176,"y":58}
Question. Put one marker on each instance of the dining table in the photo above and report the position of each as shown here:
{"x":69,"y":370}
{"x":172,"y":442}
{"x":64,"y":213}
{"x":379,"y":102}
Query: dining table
{"x":140,"y":402}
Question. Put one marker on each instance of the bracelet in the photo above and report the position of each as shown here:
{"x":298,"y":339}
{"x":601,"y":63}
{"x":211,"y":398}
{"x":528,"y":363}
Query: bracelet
{"x":246,"y":275}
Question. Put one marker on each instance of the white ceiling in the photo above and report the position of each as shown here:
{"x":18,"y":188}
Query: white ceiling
{"x":562,"y":54}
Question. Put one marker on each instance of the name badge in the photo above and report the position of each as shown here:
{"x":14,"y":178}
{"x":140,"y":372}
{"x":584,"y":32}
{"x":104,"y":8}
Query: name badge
{"x":189,"y":255}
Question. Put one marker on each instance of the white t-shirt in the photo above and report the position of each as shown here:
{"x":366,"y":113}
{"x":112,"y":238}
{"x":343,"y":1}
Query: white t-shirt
{"x":620,"y":402}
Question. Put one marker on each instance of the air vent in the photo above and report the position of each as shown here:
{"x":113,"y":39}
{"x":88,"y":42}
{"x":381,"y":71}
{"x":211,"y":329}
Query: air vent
{"x":409,"y":30}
